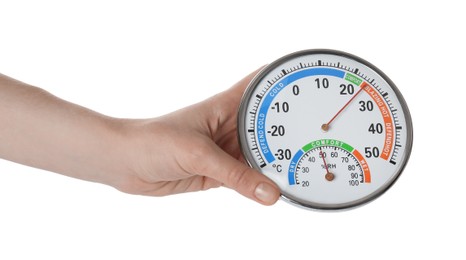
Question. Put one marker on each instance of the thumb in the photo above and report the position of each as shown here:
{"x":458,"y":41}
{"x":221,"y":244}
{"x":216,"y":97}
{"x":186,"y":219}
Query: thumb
{"x":218,"y":165}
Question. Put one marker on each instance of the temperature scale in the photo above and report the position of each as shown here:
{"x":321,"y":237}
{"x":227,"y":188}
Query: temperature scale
{"x":329,"y":128}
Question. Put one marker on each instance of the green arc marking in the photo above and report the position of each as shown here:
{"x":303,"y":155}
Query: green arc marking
{"x":352,"y":78}
{"x":327,"y":142}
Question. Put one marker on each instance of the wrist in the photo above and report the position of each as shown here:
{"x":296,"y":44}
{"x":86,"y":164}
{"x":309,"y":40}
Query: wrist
{"x":112,"y":152}
{"x":125,"y":146}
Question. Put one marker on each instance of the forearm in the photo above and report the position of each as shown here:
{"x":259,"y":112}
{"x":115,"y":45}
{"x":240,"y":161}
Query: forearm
{"x":43,"y":131}
{"x":191,"y":149}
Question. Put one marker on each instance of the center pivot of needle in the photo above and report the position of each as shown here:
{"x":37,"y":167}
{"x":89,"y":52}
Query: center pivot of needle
{"x":326,"y":126}
{"x":328,"y":176}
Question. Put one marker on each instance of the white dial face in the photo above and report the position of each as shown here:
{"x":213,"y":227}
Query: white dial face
{"x":327,"y":127}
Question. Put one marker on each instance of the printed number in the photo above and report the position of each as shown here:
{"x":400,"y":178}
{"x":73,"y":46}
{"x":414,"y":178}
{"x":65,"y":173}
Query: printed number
{"x":278,"y":130}
{"x":372,"y":152}
{"x":346,"y":89}
{"x":283,"y":154}
{"x":284,"y":107}
{"x":305,"y":183}
{"x":366,"y":106}
{"x":353,"y":183}
{"x":296,"y":90}
{"x":376,"y":128}
{"x":322,"y":82}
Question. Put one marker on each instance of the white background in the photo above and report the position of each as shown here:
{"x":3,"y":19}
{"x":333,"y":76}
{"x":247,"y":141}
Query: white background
{"x":141,"y":59}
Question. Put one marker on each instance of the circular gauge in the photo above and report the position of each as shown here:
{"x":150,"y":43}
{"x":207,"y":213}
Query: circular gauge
{"x":329,"y":128}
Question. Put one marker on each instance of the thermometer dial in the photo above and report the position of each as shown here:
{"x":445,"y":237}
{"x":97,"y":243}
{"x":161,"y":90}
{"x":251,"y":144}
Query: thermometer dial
{"x":329,"y":128}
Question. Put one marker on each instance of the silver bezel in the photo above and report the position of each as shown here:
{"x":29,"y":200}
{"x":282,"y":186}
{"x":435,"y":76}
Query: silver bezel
{"x":249,"y":157}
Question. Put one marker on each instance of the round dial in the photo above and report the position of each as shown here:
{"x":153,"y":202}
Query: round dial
{"x":329,"y":128}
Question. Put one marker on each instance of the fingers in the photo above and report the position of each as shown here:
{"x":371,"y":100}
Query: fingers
{"x":206,"y":158}
{"x":242,"y":84}
{"x":213,"y":162}
{"x":236,"y":91}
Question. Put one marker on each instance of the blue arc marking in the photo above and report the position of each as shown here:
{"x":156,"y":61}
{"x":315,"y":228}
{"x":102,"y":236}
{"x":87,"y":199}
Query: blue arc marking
{"x":292,"y":168}
{"x":273,"y":92}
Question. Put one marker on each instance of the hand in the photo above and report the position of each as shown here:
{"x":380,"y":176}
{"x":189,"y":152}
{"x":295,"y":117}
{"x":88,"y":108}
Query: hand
{"x":195,"y":148}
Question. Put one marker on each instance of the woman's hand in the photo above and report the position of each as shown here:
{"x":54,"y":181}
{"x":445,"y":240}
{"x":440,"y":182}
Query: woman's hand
{"x":195,"y":148}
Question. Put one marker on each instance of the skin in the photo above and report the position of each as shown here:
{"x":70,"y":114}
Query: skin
{"x":192,"y":149}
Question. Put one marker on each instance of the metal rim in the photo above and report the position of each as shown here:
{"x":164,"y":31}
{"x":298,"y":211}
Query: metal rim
{"x":249,"y":158}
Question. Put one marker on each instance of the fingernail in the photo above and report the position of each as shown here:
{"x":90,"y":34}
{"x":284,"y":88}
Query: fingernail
{"x":266,"y":193}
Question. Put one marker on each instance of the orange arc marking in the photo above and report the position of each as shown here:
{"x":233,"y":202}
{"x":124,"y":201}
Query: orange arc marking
{"x":387,"y":119}
{"x":364,"y":165}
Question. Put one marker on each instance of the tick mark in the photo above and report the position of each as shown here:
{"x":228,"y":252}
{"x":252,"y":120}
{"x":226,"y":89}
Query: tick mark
{"x":392,"y":162}
{"x":284,"y":72}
